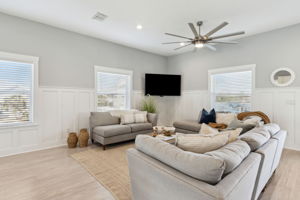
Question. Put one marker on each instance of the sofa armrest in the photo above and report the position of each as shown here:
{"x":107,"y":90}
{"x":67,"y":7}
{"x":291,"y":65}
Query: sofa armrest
{"x":241,"y":182}
{"x":152,"y":118}
{"x":168,"y":183}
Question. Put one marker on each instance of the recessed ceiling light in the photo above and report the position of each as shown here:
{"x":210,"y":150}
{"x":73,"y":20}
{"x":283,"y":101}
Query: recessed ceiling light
{"x":182,"y":43}
{"x":139,"y":27}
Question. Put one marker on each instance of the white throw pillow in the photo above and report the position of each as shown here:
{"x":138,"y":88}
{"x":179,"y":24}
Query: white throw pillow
{"x":127,"y":118}
{"x":255,"y":120}
{"x":140,"y":117}
{"x":233,"y":134}
{"x":200,"y":143}
{"x":207,"y":130}
{"x":225,"y":118}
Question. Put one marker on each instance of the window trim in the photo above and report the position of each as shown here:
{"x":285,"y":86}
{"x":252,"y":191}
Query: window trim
{"x":35,"y":85}
{"x":240,"y":68}
{"x":115,"y":71}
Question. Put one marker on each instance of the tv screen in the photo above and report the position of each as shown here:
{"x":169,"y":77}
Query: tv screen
{"x":162,"y":85}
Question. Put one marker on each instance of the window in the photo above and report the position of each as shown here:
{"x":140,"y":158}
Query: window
{"x":231,"y":88}
{"x":17,"y":84}
{"x":113,"y":88}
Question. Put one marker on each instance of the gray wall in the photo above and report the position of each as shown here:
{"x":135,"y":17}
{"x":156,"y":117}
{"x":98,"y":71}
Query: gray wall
{"x":270,"y":50}
{"x":67,"y":59}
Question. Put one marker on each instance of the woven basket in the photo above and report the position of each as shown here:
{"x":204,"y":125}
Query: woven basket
{"x":72,"y":140}
{"x":83,"y":138}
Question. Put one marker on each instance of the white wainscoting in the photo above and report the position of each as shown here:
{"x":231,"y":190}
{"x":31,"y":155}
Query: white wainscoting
{"x":282,"y":105}
{"x":62,"y":110}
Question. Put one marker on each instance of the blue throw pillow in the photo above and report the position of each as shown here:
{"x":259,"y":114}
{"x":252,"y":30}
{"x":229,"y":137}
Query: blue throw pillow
{"x":208,"y":117}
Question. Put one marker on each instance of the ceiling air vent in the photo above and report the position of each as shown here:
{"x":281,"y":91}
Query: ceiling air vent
{"x":99,"y":16}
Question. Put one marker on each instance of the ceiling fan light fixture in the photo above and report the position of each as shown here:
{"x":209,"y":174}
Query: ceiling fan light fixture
{"x":199,"y":44}
{"x":182,"y":43}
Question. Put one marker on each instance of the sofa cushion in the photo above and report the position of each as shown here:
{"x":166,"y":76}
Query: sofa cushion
{"x":103,"y":119}
{"x":188,"y":125}
{"x":199,"y":143}
{"x":202,"y":167}
{"x":256,"y":137}
{"x":272,"y":128}
{"x":233,"y":154}
{"x":140,"y":127}
{"x":111,"y":130}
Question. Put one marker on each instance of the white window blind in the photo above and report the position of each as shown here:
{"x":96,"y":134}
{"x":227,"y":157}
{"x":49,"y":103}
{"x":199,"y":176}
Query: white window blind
{"x":231,"y":92}
{"x":16,"y":92}
{"x":113,"y":91}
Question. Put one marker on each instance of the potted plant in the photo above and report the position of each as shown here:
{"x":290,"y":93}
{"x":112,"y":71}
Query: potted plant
{"x":149,"y":105}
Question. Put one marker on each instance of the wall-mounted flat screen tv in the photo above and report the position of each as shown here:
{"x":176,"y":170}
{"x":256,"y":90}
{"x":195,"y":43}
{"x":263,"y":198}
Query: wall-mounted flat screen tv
{"x":162,"y":85}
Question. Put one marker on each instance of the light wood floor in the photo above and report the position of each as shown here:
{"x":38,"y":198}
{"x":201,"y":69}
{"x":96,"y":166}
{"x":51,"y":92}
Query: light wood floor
{"x":48,"y":175}
{"x":52,"y":174}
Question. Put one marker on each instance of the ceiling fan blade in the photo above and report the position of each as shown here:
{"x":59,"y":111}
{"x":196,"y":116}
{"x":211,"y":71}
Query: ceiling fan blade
{"x":192,"y":27}
{"x":216,"y":29}
{"x":223,"y":42}
{"x":210,"y":47}
{"x":228,"y":35}
{"x":183,"y":46}
{"x":179,"y":36}
{"x":175,"y":42}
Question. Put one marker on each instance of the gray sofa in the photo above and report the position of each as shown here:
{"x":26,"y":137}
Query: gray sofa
{"x":106,"y":128}
{"x":187,"y":126}
{"x":170,"y":171}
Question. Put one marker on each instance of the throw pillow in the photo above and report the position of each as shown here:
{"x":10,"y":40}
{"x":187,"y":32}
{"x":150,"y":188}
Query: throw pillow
{"x":233,"y":134}
{"x":239,"y":124}
{"x":200,"y":143}
{"x":225,"y":118}
{"x":206,"y":130}
{"x":207,"y":117}
{"x":140,"y":117}
{"x":255,"y":120}
{"x":127,"y":118}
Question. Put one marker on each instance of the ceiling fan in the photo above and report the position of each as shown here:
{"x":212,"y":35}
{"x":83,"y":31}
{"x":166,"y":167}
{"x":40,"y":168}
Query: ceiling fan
{"x":206,"y":40}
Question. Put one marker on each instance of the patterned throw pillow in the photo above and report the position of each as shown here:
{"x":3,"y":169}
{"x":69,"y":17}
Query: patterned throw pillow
{"x":127,"y":118}
{"x":140,"y":117}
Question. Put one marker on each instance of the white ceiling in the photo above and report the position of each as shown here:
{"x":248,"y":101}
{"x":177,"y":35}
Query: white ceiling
{"x":157,"y":17}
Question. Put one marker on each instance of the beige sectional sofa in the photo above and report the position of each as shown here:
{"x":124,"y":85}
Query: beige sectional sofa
{"x":105,"y":127}
{"x":161,"y":171}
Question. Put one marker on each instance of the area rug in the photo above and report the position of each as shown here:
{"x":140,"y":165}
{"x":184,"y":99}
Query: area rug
{"x":109,"y":167}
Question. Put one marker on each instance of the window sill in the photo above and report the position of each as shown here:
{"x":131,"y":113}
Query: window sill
{"x":10,"y":126}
